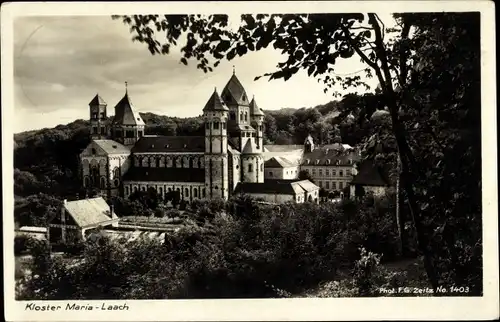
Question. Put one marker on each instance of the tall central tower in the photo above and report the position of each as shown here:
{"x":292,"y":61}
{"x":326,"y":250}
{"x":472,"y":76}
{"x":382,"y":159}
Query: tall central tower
{"x":215,"y":114}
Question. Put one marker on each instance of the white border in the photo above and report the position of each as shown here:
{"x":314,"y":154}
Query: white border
{"x":485,"y":307}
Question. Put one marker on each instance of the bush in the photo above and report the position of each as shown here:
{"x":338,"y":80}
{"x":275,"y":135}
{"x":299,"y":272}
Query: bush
{"x":21,"y":244}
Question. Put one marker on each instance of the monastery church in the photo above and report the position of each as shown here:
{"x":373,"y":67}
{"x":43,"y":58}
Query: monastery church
{"x":230,"y":158}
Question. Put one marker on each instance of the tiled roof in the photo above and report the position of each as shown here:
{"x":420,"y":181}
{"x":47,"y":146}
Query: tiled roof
{"x":369,"y":174}
{"x":278,"y":162}
{"x":329,"y":157}
{"x":88,"y":212}
{"x":250,"y":147}
{"x":285,"y":187}
{"x":282,"y":148}
{"x":234,"y":93}
{"x":97,"y":100}
{"x":112,"y":147}
{"x":125,"y":113}
{"x":254,"y":109}
{"x":165,"y":174}
{"x":170,"y":144}
{"x":215,"y":103}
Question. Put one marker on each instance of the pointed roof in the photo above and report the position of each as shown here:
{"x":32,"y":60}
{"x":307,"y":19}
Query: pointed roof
{"x":215,"y":103}
{"x":250,"y":148}
{"x":97,"y":100}
{"x":254,"y":109}
{"x":234,"y":92}
{"x":125,"y":113}
{"x":309,"y":139}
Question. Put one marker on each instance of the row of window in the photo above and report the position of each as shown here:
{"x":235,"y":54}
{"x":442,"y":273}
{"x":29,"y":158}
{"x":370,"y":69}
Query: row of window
{"x":94,"y":115}
{"x":169,"y":162}
{"x":332,"y":185}
{"x":216,"y":125}
{"x":161,"y":191}
{"x":250,"y":167}
{"x":291,"y":172}
{"x":327,"y":172}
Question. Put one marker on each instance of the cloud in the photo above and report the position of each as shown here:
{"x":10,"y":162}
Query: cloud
{"x":61,"y":62}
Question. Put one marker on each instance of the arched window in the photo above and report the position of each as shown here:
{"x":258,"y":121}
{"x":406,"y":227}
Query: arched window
{"x":103,"y":183}
{"x":262,"y":167}
{"x":143,"y":188}
{"x":145,"y":162}
{"x":116,"y":173}
{"x":207,"y":125}
{"x":135,"y":189}
{"x":195,"y":192}
{"x":137,"y":162}
{"x":86,"y":182}
{"x":126,"y":190}
{"x":246,"y":116}
{"x":161,"y":192}
{"x":204,"y":192}
{"x":152,"y":162}
{"x":186,"y":192}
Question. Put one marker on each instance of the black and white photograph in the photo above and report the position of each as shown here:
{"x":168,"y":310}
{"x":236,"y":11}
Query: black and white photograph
{"x":253,"y":153}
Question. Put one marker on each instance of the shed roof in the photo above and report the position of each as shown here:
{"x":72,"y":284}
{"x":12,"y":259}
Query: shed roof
{"x":88,"y":212}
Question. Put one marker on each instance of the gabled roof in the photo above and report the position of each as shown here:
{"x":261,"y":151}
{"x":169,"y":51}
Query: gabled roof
{"x":234,"y":93}
{"x":170,"y":144}
{"x":250,"y":147}
{"x":97,"y":100}
{"x":112,"y":147}
{"x":165,"y":174}
{"x":278,"y":162}
{"x":369,"y":174}
{"x":88,"y":212}
{"x":285,"y":187}
{"x":125,"y":113}
{"x":254,"y":109}
{"x":330,"y":157}
{"x":309,"y":139}
{"x":215,"y":103}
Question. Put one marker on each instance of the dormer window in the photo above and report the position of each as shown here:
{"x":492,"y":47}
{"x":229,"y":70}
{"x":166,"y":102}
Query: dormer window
{"x":93,"y":151}
{"x":138,"y":119}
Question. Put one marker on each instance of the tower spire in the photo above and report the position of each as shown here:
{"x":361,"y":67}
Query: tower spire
{"x":126,"y":87}
{"x":234,"y":70}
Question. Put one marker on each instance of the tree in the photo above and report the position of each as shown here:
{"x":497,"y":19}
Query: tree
{"x":305,"y":175}
{"x":394,"y":55}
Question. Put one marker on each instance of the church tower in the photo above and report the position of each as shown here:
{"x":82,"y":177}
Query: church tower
{"x":127,"y":126}
{"x":215,"y":114}
{"x":239,"y":123}
{"x":252,"y":163}
{"x":257,"y":116}
{"x":309,"y":144}
{"x":98,"y":121}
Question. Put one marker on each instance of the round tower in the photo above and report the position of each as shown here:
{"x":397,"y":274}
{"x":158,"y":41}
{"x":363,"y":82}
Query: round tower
{"x":257,"y":116}
{"x":252,"y":163}
{"x":215,"y":114}
{"x":98,"y":118}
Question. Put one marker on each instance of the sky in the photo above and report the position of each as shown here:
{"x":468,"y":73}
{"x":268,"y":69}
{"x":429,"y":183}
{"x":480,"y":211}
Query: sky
{"x":61,"y":62}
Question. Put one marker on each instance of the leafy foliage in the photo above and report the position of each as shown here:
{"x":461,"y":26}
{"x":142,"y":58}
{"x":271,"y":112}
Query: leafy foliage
{"x":254,"y":251}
